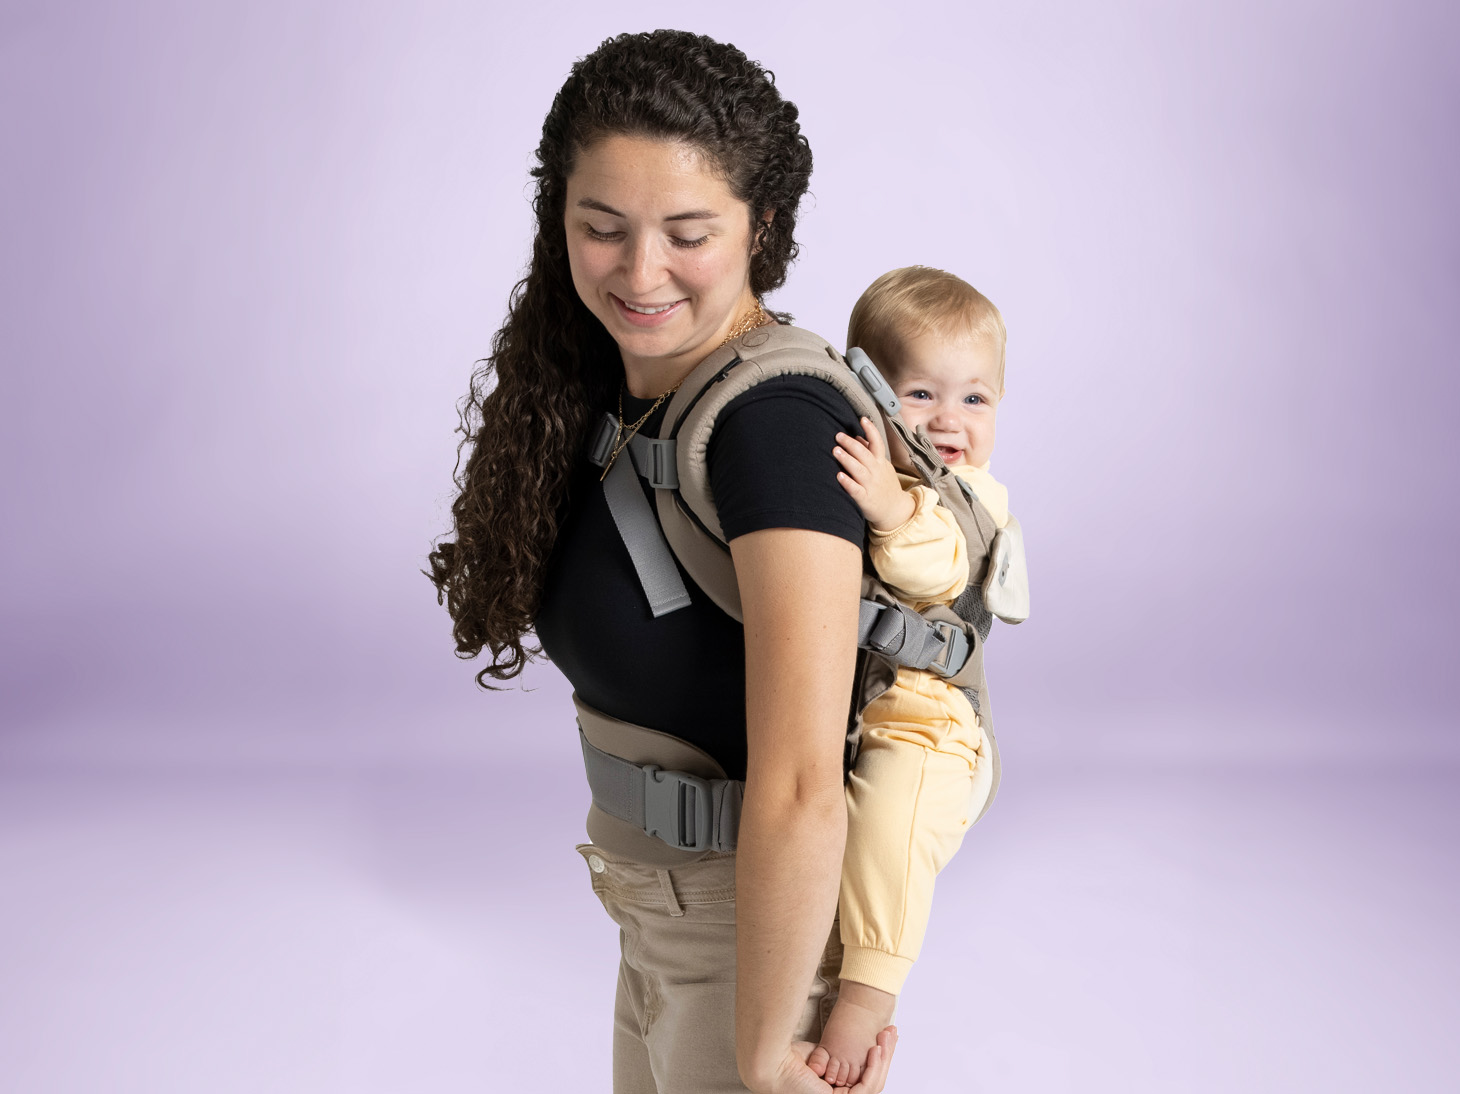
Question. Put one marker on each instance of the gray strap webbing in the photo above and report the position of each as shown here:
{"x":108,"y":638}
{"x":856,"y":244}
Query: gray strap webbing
{"x":685,"y":811}
{"x":654,"y":461}
{"x":907,"y":638}
{"x":640,"y":531}
{"x":632,"y":514}
{"x":653,"y":456}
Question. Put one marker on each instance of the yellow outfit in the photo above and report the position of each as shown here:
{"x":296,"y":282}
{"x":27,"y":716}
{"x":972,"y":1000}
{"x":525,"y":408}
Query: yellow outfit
{"x":923,"y":770}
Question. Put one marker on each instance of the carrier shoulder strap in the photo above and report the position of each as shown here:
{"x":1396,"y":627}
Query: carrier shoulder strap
{"x":688,"y":516}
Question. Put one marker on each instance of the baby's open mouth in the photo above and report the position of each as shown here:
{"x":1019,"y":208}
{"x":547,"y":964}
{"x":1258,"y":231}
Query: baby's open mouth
{"x":948,"y":452}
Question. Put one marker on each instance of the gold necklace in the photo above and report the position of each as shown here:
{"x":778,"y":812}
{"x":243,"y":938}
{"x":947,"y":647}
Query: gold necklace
{"x":748,"y":322}
{"x":620,"y":441}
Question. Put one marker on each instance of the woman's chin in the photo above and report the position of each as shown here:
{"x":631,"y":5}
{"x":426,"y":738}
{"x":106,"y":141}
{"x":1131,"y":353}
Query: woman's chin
{"x":646,"y":345}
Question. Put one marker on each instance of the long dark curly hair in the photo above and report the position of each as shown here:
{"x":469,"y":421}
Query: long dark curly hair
{"x":553,"y":364}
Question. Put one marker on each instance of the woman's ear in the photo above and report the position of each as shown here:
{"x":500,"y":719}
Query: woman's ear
{"x":765,"y":222}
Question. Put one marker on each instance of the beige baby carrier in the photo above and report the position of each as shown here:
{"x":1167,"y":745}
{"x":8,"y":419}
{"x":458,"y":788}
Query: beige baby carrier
{"x":664,"y":801}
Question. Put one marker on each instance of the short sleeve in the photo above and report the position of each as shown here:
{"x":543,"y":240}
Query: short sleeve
{"x":771,"y":463}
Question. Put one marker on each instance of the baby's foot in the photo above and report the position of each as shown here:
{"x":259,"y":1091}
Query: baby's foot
{"x":861,"y":1012}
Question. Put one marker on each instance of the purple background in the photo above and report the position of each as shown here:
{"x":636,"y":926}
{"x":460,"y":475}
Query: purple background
{"x":259,"y":831}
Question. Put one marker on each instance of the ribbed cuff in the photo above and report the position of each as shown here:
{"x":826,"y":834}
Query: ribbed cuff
{"x":922,"y":499}
{"x":876,"y":968}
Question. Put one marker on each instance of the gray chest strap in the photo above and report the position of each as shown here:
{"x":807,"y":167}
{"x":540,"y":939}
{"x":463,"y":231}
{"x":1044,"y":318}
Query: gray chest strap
{"x":904,"y":636}
{"x":685,"y":811}
{"x":637,"y":525}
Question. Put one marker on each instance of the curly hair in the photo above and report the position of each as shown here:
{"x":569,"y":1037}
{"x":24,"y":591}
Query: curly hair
{"x":525,"y":416}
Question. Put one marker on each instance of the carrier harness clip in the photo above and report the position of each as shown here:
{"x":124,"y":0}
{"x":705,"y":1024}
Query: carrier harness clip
{"x":686,"y":811}
{"x":907,"y":638}
{"x":677,"y":808}
{"x":954,"y":652}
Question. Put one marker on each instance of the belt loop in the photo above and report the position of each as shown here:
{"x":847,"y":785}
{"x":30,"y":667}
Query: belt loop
{"x":670,"y":900}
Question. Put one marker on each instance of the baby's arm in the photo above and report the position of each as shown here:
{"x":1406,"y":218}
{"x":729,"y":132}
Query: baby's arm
{"x":917,"y":547}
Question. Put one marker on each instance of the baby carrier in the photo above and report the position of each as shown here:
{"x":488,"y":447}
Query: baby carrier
{"x":649,"y":784}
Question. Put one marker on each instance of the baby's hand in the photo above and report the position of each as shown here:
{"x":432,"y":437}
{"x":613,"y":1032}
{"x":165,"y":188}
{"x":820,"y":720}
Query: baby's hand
{"x":869,"y":477}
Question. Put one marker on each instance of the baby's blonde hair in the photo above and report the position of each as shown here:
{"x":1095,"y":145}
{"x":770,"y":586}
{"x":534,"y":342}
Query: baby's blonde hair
{"x":907,"y":302}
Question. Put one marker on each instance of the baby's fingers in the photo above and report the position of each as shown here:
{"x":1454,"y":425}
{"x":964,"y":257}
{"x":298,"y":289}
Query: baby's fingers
{"x":857,"y":491}
{"x":862,"y":460}
{"x":879,"y":1059}
{"x":874,"y":439}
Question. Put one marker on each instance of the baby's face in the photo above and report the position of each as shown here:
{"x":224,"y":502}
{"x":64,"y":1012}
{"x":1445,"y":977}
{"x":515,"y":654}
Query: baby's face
{"x":947,"y":386}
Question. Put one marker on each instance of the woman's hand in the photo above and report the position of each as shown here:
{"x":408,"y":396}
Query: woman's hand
{"x":869,"y":477}
{"x":796,"y":1078}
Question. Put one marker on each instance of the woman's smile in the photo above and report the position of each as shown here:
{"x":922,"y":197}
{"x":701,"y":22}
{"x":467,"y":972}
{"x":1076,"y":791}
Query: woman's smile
{"x":659,"y":249}
{"x":646,"y":315}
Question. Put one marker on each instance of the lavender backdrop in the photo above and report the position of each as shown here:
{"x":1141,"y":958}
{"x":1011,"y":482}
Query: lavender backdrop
{"x":254,"y":818}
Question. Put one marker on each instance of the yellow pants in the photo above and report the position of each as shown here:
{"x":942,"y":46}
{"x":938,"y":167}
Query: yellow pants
{"x":922,"y":774}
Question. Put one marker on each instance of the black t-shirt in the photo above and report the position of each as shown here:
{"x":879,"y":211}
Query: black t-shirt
{"x":771,"y":466}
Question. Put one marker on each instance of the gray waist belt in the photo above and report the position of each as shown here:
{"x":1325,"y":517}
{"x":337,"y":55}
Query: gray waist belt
{"x":685,"y":811}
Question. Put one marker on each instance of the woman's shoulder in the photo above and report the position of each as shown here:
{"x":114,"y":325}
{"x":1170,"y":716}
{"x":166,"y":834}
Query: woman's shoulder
{"x":785,"y":347}
{"x":793,"y":366}
{"x":799,"y":395}
{"x":770,"y":453}
{"x":795,"y":393}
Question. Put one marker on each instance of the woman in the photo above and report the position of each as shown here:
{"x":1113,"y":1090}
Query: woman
{"x":670,"y":171}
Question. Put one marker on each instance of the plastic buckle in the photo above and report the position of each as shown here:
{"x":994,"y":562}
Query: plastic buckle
{"x":872,"y":380}
{"x":602,"y":441}
{"x":654,"y":461}
{"x":955,"y":649}
{"x":674,"y":802}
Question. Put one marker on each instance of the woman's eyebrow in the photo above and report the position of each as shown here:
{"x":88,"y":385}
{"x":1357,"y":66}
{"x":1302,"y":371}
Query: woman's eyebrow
{"x":589,"y":203}
{"x":695,"y":214}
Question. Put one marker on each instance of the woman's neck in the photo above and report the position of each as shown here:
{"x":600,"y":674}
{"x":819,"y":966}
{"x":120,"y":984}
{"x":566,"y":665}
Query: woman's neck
{"x":650,"y":379}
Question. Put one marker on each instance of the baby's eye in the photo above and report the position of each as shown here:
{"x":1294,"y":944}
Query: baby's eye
{"x":917,"y":393}
{"x":974,"y":400}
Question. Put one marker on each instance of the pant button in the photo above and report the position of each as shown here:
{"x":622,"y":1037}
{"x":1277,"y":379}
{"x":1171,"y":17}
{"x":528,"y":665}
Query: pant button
{"x":596,"y":864}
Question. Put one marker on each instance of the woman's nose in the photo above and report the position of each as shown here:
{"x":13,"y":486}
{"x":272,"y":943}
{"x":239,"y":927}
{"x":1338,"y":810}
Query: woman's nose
{"x":642,"y":264}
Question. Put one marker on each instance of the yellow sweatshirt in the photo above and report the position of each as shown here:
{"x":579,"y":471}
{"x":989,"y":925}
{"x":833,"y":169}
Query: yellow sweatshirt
{"x":925,"y":559}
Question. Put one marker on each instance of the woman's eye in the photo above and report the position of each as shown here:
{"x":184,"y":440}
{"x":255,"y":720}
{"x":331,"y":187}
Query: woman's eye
{"x":614,"y":237}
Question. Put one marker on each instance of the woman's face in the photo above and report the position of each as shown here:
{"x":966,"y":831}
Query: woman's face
{"x":660,"y":252}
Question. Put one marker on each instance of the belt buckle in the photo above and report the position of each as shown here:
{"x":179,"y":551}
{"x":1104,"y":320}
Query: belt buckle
{"x":670,"y":799}
{"x":955,"y":649}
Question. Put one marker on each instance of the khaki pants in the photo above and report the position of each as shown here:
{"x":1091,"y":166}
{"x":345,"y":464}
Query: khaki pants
{"x":674,"y":1015}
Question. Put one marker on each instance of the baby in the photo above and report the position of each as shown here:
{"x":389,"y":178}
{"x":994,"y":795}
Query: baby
{"x":923,"y":769}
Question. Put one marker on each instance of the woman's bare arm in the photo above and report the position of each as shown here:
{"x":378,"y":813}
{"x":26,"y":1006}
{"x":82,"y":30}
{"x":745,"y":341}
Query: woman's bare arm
{"x":799,"y":592}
